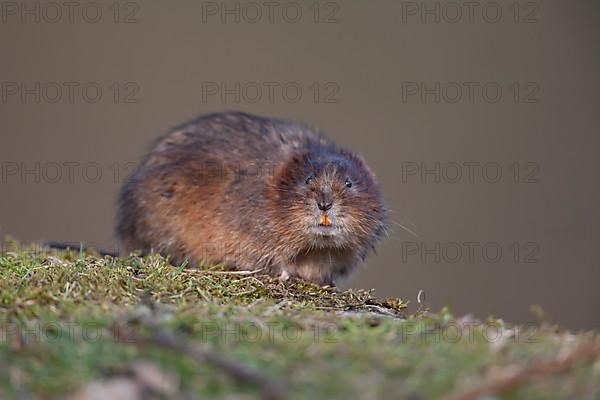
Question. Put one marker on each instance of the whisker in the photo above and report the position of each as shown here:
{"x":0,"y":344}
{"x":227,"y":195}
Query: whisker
{"x":415,"y":234}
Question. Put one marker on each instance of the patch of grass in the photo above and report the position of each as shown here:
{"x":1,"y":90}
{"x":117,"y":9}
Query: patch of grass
{"x":70,"y":321}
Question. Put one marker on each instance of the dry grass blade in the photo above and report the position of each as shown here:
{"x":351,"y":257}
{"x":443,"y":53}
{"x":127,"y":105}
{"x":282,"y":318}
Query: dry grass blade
{"x":211,"y":272}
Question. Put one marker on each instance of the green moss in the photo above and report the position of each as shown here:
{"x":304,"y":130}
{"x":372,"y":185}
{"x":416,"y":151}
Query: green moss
{"x":59,"y":312}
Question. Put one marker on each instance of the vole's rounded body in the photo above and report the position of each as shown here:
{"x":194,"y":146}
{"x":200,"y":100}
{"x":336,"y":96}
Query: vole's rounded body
{"x":253,"y":193}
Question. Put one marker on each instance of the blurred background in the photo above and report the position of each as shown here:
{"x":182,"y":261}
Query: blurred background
{"x":481,"y":122}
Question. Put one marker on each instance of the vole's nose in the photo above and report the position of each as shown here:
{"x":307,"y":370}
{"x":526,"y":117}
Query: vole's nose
{"x":324,"y":205}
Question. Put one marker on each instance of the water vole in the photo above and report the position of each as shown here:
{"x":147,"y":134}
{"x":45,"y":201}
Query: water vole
{"x":252,"y":193}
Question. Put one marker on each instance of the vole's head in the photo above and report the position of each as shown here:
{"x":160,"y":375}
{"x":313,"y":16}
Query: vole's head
{"x":329,"y":198}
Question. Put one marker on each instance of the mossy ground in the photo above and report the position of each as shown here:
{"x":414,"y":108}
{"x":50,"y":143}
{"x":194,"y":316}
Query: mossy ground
{"x":71,"y":322}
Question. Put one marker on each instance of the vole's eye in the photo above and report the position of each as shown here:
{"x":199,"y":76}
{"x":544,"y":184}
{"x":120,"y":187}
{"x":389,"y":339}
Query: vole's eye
{"x":309,"y":179}
{"x":348,"y":183}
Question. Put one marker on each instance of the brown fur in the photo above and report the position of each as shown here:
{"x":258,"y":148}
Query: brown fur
{"x":233,"y":188}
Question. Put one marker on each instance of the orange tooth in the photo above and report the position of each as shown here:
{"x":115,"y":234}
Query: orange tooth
{"x":325,"y":220}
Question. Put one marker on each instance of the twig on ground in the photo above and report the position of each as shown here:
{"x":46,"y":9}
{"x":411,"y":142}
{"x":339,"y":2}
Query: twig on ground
{"x":377,"y":309}
{"x":517,"y":376}
{"x":270,"y":389}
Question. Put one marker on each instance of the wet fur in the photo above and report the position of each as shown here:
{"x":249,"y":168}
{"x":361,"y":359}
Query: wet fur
{"x":232,"y":188}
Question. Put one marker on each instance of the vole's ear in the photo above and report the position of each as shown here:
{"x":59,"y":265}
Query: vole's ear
{"x":360,"y":161}
{"x":290,"y":172}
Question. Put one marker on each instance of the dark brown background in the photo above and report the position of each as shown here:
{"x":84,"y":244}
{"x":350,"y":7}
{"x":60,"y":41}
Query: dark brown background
{"x":368,"y":54}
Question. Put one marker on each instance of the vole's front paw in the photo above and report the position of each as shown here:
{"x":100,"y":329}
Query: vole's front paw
{"x":284,"y":276}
